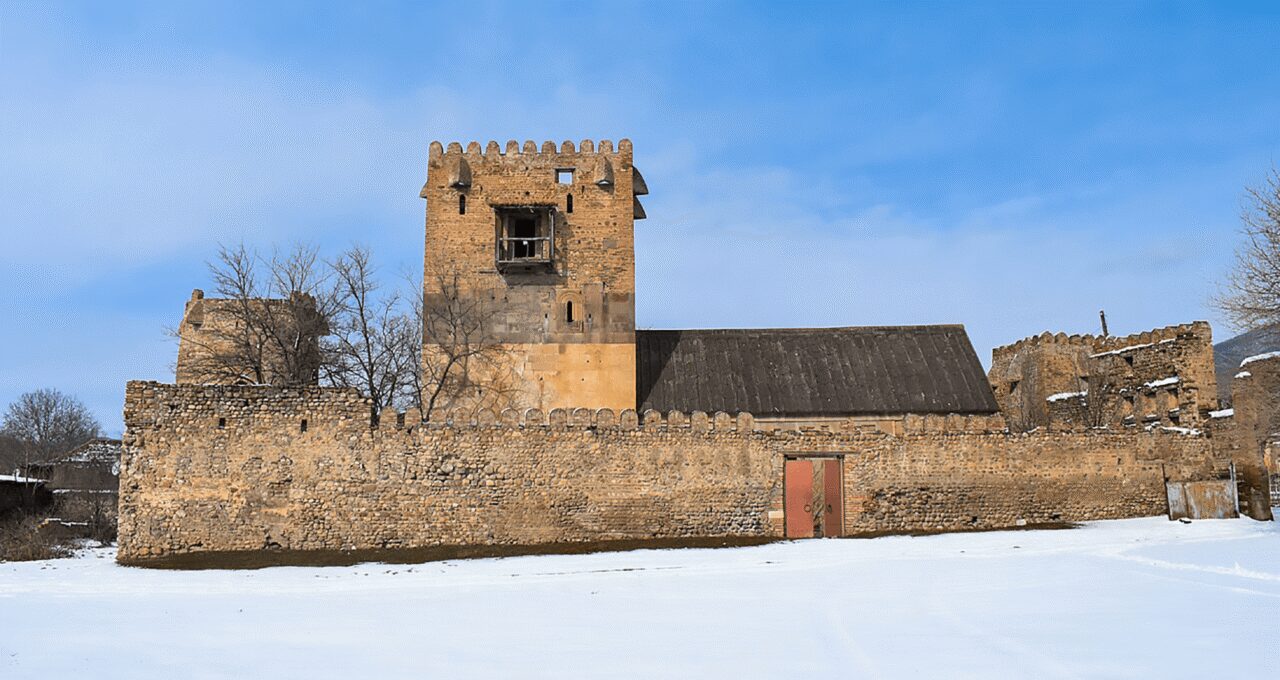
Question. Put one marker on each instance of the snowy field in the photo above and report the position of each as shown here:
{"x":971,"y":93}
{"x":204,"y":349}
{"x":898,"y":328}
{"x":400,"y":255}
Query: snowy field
{"x":1143,"y":598}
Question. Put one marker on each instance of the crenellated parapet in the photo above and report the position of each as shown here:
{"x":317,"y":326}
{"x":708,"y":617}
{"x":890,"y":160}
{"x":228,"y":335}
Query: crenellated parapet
{"x":560,"y":419}
{"x":547,"y":170}
{"x":513,"y":150}
{"x":954,"y":423}
{"x":1110,"y":343}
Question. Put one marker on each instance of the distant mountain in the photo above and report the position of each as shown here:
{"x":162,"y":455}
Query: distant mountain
{"x":1228,"y":354}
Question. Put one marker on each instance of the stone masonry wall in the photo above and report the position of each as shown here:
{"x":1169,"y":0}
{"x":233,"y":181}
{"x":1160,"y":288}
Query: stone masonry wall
{"x":230,"y":468}
{"x":1242,"y":433}
{"x":1163,"y":376}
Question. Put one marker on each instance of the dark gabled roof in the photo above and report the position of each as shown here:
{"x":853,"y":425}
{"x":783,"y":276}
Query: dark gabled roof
{"x":812,"y":372}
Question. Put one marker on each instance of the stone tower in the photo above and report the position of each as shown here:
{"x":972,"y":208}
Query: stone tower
{"x":530,"y":253}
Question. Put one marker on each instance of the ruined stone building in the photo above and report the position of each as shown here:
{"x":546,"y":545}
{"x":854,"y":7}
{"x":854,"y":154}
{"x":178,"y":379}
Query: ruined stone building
{"x":1160,"y":379}
{"x":577,"y":427}
{"x":249,"y":341}
{"x":84,"y":483}
{"x":1165,"y":376}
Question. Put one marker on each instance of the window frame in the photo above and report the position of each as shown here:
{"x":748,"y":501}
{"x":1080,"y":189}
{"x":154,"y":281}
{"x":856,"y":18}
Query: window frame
{"x":505,"y":217}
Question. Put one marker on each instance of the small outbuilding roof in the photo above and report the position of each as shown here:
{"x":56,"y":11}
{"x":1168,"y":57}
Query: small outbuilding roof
{"x":96,"y":450}
{"x":812,"y":372}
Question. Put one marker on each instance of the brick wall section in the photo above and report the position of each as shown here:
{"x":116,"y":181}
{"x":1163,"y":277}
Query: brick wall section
{"x":230,"y":468}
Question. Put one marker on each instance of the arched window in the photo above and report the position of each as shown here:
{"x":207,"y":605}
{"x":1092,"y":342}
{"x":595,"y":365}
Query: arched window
{"x":568,"y":311}
{"x":568,"y":203}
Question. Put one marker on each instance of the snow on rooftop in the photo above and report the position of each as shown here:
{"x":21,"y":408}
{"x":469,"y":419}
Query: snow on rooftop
{"x":1243,"y":374}
{"x":1163,"y":382}
{"x":1260,"y":357}
{"x":1062,"y":396}
{"x":1224,"y":413}
{"x":94,"y":451}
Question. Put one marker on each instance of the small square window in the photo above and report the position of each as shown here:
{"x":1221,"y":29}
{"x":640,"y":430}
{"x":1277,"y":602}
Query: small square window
{"x":564,"y":175}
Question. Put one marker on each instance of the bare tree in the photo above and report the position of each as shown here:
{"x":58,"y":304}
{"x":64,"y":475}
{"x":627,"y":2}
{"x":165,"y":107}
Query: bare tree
{"x":265,"y":326}
{"x":44,"y":423}
{"x":1026,"y":408}
{"x":374,"y":343}
{"x":1250,"y":297}
{"x":464,"y":366}
{"x":1093,"y":402}
{"x":39,"y":426}
{"x":1101,"y":392}
{"x":297,"y":320}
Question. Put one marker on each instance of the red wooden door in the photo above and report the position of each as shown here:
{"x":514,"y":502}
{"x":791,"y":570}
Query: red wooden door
{"x":833,"y":513}
{"x":798,"y":510}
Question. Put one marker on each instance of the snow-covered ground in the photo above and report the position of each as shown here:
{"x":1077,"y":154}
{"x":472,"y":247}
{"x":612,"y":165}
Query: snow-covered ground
{"x":1141,"y":598}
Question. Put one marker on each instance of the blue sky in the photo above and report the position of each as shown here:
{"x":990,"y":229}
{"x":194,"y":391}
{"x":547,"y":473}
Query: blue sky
{"x":1014,"y":166}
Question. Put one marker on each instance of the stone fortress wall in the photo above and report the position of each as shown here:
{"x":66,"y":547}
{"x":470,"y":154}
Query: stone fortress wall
{"x":246,"y":468}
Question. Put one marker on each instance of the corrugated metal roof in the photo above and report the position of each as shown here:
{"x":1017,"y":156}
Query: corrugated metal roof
{"x":811,"y":372}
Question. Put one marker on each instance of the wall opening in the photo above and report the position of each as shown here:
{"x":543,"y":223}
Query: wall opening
{"x":568,"y":311}
{"x":568,"y":203}
{"x":462,"y":204}
{"x":304,"y":424}
{"x":222,"y":422}
{"x":564,"y":175}
{"x":813,"y":498}
{"x":525,"y":237}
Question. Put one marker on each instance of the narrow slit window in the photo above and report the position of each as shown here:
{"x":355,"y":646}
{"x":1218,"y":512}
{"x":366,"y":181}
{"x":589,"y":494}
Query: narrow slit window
{"x":304,"y":424}
{"x":222,"y":422}
{"x":568,"y":311}
{"x":462,"y":204}
{"x":568,"y":203}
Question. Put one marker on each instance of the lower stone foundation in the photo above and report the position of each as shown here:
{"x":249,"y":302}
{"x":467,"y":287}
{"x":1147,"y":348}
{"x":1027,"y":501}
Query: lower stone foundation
{"x":257,"y":468}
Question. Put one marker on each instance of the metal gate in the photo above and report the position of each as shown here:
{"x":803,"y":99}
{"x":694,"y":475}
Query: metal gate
{"x":813,"y":497}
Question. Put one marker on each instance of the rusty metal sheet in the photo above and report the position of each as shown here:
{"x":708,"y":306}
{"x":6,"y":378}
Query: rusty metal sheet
{"x":798,"y":509}
{"x":1212,"y":499}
